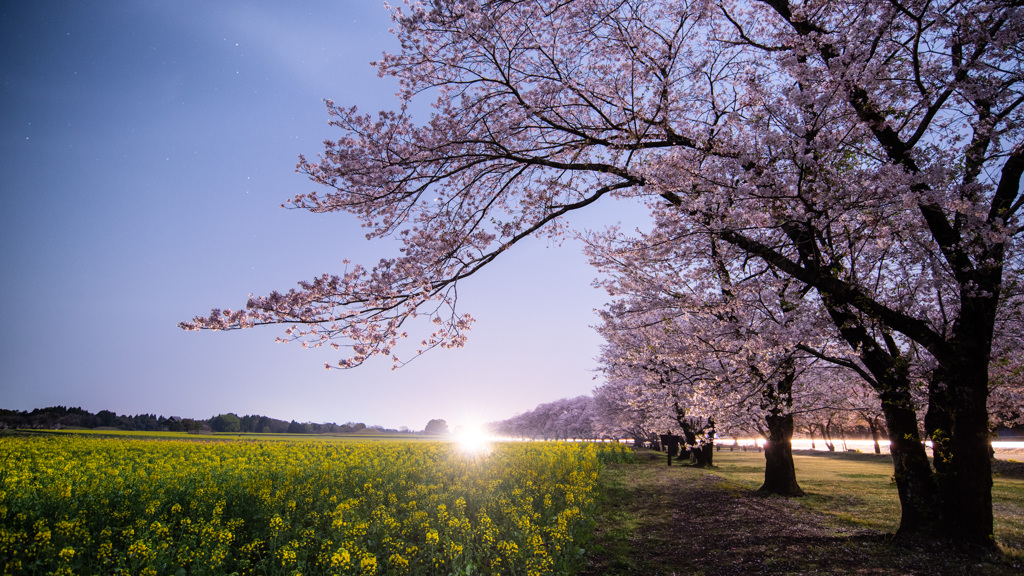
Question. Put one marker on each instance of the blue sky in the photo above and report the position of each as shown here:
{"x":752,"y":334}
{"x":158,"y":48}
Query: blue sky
{"x":146,"y":149}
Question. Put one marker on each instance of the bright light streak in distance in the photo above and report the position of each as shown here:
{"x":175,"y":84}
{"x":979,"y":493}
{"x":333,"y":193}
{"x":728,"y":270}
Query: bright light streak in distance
{"x":473,"y":440}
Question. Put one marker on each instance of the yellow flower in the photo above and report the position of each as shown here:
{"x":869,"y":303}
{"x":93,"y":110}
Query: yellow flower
{"x":340,"y":560}
{"x":368,"y":563}
{"x":346,"y":495}
{"x":286,"y":555}
{"x":138,"y":549}
{"x":398,"y":562}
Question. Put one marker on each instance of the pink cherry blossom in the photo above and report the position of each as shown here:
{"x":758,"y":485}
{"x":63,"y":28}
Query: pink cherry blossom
{"x":867,"y":152}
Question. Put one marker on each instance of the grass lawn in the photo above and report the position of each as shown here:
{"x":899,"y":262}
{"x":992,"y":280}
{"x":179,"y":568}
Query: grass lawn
{"x":657,"y":519}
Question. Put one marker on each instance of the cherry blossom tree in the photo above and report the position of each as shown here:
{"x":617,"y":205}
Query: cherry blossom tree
{"x":868,"y":149}
{"x":746,"y":340}
{"x":860,"y":403}
{"x":567,"y":418}
{"x":852,"y":406}
{"x":622,"y":413}
{"x":658,"y":384}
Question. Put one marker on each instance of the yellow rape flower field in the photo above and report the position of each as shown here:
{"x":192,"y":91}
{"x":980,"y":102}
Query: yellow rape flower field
{"x":79,"y":505}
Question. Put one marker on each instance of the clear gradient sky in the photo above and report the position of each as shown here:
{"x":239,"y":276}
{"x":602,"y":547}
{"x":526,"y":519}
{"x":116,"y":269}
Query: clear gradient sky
{"x":146,"y":149}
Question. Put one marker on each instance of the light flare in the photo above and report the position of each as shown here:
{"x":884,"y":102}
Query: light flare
{"x":473,"y":440}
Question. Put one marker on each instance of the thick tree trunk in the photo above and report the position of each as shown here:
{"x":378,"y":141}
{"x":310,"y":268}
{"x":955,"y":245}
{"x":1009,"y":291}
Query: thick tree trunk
{"x":911,"y":469}
{"x":703,"y":456}
{"x":969,"y":485}
{"x":701,"y":452}
{"x":912,"y":472}
{"x":706,"y":455}
{"x":777,"y":401}
{"x":958,"y":424}
{"x":779,"y":471}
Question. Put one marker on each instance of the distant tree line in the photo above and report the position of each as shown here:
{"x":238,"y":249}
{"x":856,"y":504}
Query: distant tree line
{"x":57,"y":417}
{"x":563,"y":419}
{"x":602,"y":417}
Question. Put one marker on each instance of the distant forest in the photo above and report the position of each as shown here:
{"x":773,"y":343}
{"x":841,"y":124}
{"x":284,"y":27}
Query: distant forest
{"x":58,"y":417}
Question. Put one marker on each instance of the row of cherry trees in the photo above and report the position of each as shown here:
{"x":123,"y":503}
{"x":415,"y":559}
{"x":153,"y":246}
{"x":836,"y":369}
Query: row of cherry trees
{"x":576,"y":418}
{"x":627,"y":410}
{"x":830,"y":181}
{"x":705,"y":334}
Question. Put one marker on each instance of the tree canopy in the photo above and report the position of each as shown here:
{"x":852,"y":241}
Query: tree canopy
{"x":436,"y":426}
{"x":869,"y":151}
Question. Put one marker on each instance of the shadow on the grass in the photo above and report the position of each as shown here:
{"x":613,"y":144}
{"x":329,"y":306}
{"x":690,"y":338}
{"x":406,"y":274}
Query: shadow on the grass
{"x":680,"y":520}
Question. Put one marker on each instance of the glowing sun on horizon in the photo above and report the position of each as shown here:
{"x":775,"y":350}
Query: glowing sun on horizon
{"x":473,"y":440}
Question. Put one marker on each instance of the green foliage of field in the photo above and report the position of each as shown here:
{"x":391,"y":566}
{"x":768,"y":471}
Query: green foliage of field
{"x":121,"y":503}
